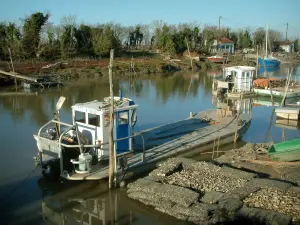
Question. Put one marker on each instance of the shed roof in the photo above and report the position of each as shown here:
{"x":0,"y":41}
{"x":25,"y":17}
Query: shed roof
{"x":224,"y":40}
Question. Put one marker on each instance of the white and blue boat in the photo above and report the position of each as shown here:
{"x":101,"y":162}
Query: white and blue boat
{"x":268,"y":60}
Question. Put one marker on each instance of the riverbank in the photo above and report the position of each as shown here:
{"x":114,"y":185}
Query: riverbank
{"x":231,"y":188}
{"x":98,"y":68}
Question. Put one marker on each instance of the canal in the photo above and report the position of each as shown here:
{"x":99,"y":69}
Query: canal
{"x":27,"y":198}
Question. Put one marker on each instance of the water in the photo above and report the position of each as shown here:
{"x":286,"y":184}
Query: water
{"x":161,"y":100}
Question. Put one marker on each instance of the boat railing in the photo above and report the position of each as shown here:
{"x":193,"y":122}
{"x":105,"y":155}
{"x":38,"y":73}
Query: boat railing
{"x":81,"y":146}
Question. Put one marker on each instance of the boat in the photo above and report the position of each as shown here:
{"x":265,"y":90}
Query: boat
{"x":235,"y":82}
{"x":80,"y":150}
{"x":285,"y":151}
{"x":82,"y":147}
{"x":216,"y":59}
{"x":268,"y":60}
{"x":44,"y":82}
{"x":288,"y":113}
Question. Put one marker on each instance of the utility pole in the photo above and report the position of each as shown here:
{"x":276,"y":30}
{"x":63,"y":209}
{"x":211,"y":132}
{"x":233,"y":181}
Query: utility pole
{"x":220,"y":17}
{"x":286,"y":31}
{"x":112,"y":156}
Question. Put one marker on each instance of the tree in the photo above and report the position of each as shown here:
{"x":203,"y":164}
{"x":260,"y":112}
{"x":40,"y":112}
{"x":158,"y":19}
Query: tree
{"x":259,"y":36}
{"x":104,"y":39}
{"x":68,"y":43}
{"x":83,"y":37}
{"x":9,"y":38}
{"x":296,"y":45}
{"x":31,"y":33}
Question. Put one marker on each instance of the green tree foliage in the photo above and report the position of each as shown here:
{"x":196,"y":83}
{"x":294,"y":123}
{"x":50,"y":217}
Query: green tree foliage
{"x":296,"y":45}
{"x":103,"y":40}
{"x":31,"y":33}
{"x":83,"y":37}
{"x":245,"y":39}
{"x":68,"y":42}
{"x":259,"y":36}
{"x":9,"y":38}
{"x":136,"y":37}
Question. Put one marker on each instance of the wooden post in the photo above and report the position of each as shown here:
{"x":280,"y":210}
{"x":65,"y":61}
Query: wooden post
{"x":111,"y":125}
{"x":269,"y":84}
{"x":187,"y":44}
{"x":237,"y":126}
{"x":287,"y":86}
{"x":12,"y":65}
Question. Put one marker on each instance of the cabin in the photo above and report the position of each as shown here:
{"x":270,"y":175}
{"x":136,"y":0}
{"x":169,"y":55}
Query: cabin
{"x":236,"y":81}
{"x":223,"y":44}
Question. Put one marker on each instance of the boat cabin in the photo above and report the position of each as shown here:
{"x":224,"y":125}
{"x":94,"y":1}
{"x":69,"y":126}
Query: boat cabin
{"x":92,"y":119}
{"x":235,"y":79}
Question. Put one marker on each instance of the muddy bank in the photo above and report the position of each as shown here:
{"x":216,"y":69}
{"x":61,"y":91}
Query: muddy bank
{"x":67,"y":70}
{"x":226,"y":190}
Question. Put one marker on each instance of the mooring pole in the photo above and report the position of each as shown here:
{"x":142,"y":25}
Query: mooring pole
{"x":12,"y":65}
{"x":111,"y":125}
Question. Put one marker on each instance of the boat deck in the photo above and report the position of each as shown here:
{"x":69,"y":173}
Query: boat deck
{"x":179,"y":138}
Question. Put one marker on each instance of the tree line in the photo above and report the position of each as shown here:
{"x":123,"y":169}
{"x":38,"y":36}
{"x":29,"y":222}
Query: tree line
{"x":37,"y":38}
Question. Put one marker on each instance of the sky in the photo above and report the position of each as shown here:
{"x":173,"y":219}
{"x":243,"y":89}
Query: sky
{"x":235,"y":13}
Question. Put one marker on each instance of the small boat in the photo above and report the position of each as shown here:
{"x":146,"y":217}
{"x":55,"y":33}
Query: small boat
{"x":216,"y":59}
{"x":285,"y":151}
{"x":81,"y":148}
{"x":268,"y":60}
{"x":288,"y":113}
{"x":235,"y":82}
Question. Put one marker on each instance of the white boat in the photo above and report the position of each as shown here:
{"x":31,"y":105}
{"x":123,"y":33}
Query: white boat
{"x":90,"y":122}
{"x":288,"y":113}
{"x":235,"y":82}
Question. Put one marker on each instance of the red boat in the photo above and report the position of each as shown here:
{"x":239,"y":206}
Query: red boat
{"x":216,"y":59}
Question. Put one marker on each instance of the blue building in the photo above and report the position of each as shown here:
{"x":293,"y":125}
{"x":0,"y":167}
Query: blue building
{"x":224,"y":44}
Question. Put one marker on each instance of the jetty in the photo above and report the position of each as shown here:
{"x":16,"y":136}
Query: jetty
{"x":237,"y":187}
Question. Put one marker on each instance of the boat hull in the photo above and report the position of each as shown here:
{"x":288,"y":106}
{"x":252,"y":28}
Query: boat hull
{"x":285,"y":151}
{"x":269,"y":62}
{"x":216,"y":60}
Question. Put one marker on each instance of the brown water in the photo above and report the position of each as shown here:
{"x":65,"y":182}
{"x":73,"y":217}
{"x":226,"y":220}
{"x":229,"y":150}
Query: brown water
{"x":161,"y":99}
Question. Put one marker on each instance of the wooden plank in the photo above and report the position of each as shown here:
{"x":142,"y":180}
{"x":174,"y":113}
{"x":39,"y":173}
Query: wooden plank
{"x":16,"y":75}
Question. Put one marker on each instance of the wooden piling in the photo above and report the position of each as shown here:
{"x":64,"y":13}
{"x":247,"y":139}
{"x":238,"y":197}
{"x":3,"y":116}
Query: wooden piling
{"x":112,"y":171}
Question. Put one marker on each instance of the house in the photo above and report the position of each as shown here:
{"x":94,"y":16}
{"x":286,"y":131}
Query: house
{"x":223,"y":44}
{"x":287,"y":46}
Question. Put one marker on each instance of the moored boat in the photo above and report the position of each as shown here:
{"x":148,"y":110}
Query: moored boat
{"x":285,"y":151}
{"x":236,"y":82}
{"x":216,"y":59}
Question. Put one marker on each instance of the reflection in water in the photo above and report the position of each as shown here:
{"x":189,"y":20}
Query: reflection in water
{"x":161,"y":100}
{"x":90,"y":203}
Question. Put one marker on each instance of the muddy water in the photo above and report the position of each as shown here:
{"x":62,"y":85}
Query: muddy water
{"x":160,"y":99}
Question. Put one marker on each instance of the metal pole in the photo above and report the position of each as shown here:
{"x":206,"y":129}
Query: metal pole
{"x":111,"y":125}
{"x":220,"y":17}
{"x":286,"y":31}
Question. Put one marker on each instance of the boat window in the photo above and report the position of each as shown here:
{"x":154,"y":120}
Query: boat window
{"x":123,"y":118}
{"x":248,"y":74}
{"x":80,"y":116}
{"x":94,"y":120}
{"x":243,"y":74}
